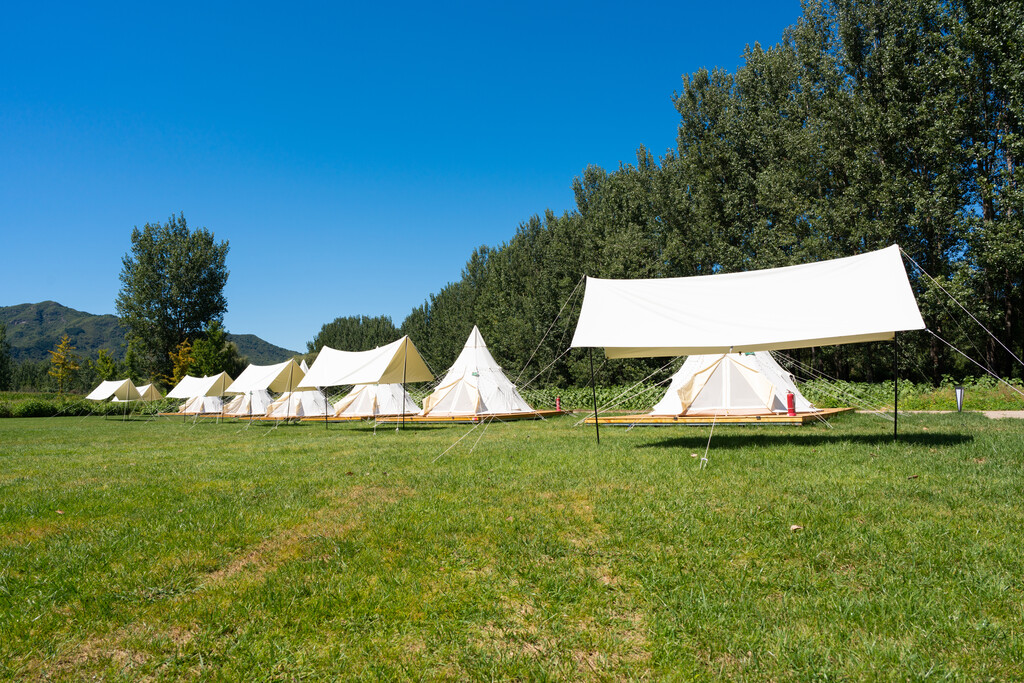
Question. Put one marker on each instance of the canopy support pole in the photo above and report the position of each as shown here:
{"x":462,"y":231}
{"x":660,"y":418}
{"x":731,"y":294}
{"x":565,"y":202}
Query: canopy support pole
{"x":405,"y":365}
{"x":895,"y":387}
{"x":593,"y":393}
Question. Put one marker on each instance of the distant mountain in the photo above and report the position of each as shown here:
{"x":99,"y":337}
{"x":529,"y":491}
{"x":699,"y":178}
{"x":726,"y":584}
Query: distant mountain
{"x":34,"y":329}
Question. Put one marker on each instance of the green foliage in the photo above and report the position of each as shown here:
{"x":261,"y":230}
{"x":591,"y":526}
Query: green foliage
{"x":63,"y":364}
{"x":6,"y":362}
{"x":172,"y":284}
{"x":213,"y":353}
{"x":355,"y":333}
{"x":105,"y":365}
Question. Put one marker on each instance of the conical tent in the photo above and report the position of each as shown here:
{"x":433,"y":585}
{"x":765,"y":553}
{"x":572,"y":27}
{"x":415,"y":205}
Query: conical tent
{"x":728,"y":384}
{"x":475,"y":385}
{"x":253,"y":403}
{"x":372,"y":400}
{"x":295,"y":404}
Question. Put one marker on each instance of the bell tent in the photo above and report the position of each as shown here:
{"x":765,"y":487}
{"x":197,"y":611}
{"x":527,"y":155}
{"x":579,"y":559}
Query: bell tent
{"x":475,"y":385}
{"x":297,"y":404}
{"x":376,"y":400}
{"x":250,"y":404}
{"x":731,"y":384}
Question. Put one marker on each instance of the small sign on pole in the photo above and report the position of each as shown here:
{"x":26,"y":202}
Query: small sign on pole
{"x":959,"y":398}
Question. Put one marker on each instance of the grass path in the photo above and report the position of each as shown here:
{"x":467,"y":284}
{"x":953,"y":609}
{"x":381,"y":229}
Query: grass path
{"x":168,"y":551}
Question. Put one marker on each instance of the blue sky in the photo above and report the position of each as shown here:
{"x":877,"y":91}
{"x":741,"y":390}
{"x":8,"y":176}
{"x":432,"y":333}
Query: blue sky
{"x":352,"y":155}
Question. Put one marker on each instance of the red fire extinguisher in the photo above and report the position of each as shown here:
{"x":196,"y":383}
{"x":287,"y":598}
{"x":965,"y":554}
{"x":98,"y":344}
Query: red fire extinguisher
{"x":790,"y":404}
{"x":558,"y":403}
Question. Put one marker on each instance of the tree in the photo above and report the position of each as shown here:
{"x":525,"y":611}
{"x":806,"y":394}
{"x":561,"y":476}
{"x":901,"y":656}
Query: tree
{"x":6,"y":362}
{"x":181,"y":363}
{"x":213,"y":353}
{"x":63,"y":364}
{"x":355,"y":333}
{"x":172,"y":285}
{"x":105,"y":365}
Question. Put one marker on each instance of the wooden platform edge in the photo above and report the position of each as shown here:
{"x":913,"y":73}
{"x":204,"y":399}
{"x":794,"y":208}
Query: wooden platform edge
{"x":473,"y":419}
{"x":703,"y":420}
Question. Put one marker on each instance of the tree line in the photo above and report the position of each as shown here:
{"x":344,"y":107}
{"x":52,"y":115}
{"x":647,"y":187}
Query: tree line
{"x":868,"y":124}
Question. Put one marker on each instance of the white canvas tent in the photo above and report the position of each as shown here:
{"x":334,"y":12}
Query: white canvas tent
{"x":731,"y":384}
{"x":298,"y":404}
{"x":279,"y":378}
{"x":376,"y":400}
{"x":116,"y":389}
{"x":202,"y":405}
{"x":397,"y":362}
{"x":190,"y":387}
{"x":303,"y":366}
{"x":147,"y":392}
{"x":854,"y":299}
{"x":254,"y":403}
{"x":475,"y":385}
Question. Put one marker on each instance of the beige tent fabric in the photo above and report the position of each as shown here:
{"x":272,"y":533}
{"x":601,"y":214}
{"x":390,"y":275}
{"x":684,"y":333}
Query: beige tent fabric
{"x":190,"y":387}
{"x":393,"y":363}
{"x":297,"y":404}
{"x":253,"y":403}
{"x":202,"y":405}
{"x":118,"y":389}
{"x":279,"y":378}
{"x":371,"y":400}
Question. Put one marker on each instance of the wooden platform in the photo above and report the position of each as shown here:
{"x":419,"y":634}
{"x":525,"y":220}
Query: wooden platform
{"x":352,"y":418}
{"x":473,"y":419}
{"x":643,"y":419}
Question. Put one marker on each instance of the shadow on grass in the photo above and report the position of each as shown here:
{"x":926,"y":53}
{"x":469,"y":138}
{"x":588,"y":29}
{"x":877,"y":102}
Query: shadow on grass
{"x":742,"y":441}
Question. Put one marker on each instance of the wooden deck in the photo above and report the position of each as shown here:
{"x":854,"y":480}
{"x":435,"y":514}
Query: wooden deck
{"x":473,"y":419}
{"x":642,"y":419}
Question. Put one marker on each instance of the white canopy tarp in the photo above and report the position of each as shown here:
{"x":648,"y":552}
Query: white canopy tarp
{"x":297,"y":404}
{"x":148,"y":392}
{"x":853,"y":299}
{"x":393,"y":363}
{"x":117,"y":389}
{"x":280,"y":378}
{"x":475,"y":385}
{"x":202,"y":405}
{"x":731,"y":384}
{"x":372,"y":400}
{"x":190,"y":387}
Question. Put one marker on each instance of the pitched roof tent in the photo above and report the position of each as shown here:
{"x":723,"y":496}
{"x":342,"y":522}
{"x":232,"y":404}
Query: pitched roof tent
{"x":190,"y":387}
{"x":118,"y":389}
{"x":280,"y":378}
{"x":854,"y":299}
{"x":392,"y":363}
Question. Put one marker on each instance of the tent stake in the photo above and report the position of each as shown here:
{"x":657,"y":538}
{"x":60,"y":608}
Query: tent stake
{"x":593,"y":392}
{"x":895,"y":387}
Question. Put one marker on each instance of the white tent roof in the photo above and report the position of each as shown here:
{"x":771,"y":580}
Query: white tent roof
{"x":190,"y":387}
{"x":368,"y":400}
{"x":304,"y":366}
{"x":121,"y":389}
{"x":475,"y":385}
{"x":396,"y":362}
{"x":731,"y":384}
{"x":279,"y":378}
{"x":298,"y":404}
{"x":854,"y":299}
{"x":147,"y":392}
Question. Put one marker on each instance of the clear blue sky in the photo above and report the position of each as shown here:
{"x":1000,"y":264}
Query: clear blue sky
{"x":353,"y":155}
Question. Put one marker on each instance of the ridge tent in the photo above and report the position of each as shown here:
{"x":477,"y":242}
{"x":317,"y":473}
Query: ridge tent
{"x":475,"y":385}
{"x":116,"y":389}
{"x":279,"y":378}
{"x":299,"y":403}
{"x":397,"y":362}
{"x":731,"y":384}
{"x":372,"y":400}
{"x":190,"y":387}
{"x":252,"y":403}
{"x":147,"y":392}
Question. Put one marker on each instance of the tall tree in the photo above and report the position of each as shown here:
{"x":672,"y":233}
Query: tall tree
{"x":63,"y":364}
{"x":213,"y":353}
{"x":355,"y":333}
{"x":172,"y":284}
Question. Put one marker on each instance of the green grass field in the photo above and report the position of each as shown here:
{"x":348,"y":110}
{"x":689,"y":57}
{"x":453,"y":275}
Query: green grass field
{"x":162,"y":550}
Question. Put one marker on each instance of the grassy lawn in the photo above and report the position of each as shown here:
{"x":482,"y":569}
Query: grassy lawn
{"x":165,"y":550}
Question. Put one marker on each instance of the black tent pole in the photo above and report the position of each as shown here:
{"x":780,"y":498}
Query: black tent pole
{"x":593,"y":392}
{"x":895,"y":386}
{"x":405,"y":365}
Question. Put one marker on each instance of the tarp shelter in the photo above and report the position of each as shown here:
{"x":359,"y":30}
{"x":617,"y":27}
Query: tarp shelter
{"x":148,"y":392}
{"x":117,"y":389}
{"x":254,"y":403}
{"x":475,"y":385}
{"x":190,"y":387}
{"x":372,"y":400}
{"x":396,"y":363}
{"x":854,"y":299}
{"x":279,"y":378}
{"x":300,"y":403}
{"x":731,"y":384}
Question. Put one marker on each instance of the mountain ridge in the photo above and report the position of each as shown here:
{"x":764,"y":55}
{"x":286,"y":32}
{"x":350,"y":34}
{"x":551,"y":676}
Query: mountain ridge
{"x":35,"y":329}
